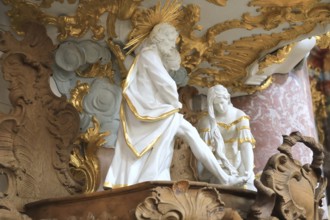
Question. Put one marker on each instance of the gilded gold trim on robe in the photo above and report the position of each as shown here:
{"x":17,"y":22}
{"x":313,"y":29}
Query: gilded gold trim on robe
{"x":132,"y":107}
{"x":227,"y":126}
{"x":127,"y":138}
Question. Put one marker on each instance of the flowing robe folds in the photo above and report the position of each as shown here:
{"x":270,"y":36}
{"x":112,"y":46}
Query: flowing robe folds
{"x":234,"y":135}
{"x":149,"y":122}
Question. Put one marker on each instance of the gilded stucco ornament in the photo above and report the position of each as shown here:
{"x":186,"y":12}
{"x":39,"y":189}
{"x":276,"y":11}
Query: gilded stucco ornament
{"x":229,"y":61}
{"x":98,"y":70}
{"x":225,"y":63}
{"x":84,"y":161}
{"x":86,"y":17}
{"x":323,"y":41}
{"x":319,"y":107}
{"x":94,"y":97}
{"x":120,"y":57}
{"x":77,"y":95}
{"x":218,"y":2}
{"x":48,"y":3}
{"x":276,"y":57}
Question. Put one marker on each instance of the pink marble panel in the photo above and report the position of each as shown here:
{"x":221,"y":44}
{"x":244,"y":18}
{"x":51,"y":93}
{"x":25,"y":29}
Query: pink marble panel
{"x":279,"y":110}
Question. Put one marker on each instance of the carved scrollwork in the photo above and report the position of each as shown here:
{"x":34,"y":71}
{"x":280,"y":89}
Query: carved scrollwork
{"x":287,"y":189}
{"x":180,"y":202}
{"x":37,"y":136}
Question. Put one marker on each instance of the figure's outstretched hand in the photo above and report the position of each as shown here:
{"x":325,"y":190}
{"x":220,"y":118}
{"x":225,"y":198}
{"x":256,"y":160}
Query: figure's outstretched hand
{"x":237,"y":180}
{"x":230,"y":168}
{"x":249,"y":175}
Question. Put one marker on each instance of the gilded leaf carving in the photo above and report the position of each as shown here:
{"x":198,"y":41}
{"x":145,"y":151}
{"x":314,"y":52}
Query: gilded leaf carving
{"x":218,"y":2}
{"x":84,"y":161}
{"x":275,"y":58}
{"x":208,"y":60}
{"x":323,"y":41}
{"x":86,"y":18}
{"x":77,"y":95}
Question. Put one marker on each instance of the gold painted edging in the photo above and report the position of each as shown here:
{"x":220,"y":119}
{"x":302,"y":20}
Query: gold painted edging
{"x":127,"y":138}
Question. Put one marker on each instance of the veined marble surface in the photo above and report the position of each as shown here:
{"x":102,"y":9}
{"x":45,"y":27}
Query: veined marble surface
{"x":284,"y":107}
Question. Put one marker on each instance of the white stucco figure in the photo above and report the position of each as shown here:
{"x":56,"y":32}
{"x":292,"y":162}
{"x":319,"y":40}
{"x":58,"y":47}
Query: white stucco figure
{"x":226,"y":130}
{"x":150,"y":118}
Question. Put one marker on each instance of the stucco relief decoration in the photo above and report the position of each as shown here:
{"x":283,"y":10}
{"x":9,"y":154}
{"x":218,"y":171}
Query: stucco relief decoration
{"x":83,"y":64}
{"x":179,"y":202}
{"x":85,"y":167}
{"x":83,"y":73}
{"x":26,"y":65}
{"x":222,"y":62}
{"x":287,"y":189}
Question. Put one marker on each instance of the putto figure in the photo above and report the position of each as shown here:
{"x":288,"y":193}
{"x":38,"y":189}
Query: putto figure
{"x":226,"y":130}
{"x":150,"y":118}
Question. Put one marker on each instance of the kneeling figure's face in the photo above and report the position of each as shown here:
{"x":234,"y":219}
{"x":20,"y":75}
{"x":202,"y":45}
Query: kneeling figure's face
{"x":221,"y":104}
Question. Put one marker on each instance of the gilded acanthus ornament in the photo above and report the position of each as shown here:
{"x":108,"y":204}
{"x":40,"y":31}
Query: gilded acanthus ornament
{"x":120,"y":57}
{"x":85,"y":19}
{"x":77,"y":95}
{"x":319,"y":108}
{"x":236,"y":57}
{"x":218,"y":2}
{"x":98,"y":70}
{"x":84,"y":161}
{"x":225,"y":63}
{"x":323,"y":41}
{"x":275,"y":58}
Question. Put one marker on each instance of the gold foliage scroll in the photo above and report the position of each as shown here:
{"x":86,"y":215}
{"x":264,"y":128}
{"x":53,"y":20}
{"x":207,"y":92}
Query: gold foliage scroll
{"x":218,"y":2}
{"x":275,"y":58}
{"x":86,"y":18}
{"x":223,"y":62}
{"x":323,"y":41}
{"x":319,"y":108}
{"x":84,"y":162}
{"x":77,"y":95}
{"x":48,"y":3}
{"x":228,"y":62}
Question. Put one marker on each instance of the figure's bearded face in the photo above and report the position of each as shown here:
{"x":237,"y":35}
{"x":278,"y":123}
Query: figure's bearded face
{"x":164,"y":37}
{"x":170,"y":57}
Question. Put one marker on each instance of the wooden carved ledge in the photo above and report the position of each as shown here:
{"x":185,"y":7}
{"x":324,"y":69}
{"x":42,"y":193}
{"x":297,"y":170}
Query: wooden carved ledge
{"x":150,"y":200}
{"x":36,"y":137}
{"x":179,"y":202}
{"x":287,"y":189}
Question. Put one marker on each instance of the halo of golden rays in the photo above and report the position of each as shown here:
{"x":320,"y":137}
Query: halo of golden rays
{"x":144,"y":21}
